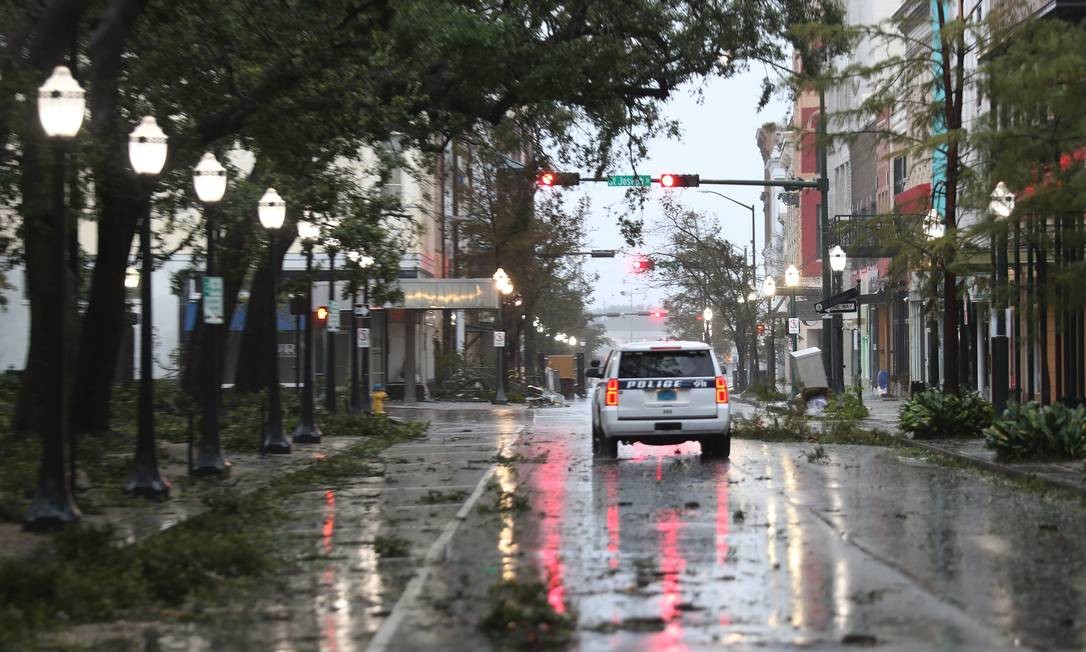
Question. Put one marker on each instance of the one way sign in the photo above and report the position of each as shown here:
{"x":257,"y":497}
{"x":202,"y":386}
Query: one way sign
{"x":849,"y":295}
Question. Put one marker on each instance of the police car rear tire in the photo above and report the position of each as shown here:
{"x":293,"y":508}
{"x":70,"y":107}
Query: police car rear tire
{"x":719,"y":447}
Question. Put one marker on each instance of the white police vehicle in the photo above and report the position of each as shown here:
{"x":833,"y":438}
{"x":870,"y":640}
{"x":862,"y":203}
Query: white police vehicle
{"x":660,"y":393}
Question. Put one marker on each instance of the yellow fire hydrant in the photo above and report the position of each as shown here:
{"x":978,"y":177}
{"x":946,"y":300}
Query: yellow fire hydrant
{"x":378,"y":398}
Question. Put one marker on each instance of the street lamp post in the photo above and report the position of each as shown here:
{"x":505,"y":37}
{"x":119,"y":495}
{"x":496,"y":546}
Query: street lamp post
{"x":504,"y":287}
{"x":61,"y":105}
{"x":934,"y":228}
{"x":838,"y":260}
{"x":147,"y":153}
{"x":357,"y":405}
{"x":272,"y":211}
{"x":307,"y":431}
{"x":331,"y":246}
{"x":209,"y":180}
{"x":1001,"y":206}
{"x":707,"y":318}
{"x":753,"y":276}
{"x":791,"y":280}
{"x":769,"y":289}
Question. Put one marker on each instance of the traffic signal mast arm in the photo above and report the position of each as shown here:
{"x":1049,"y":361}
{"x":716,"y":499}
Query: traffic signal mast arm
{"x":552,"y":179}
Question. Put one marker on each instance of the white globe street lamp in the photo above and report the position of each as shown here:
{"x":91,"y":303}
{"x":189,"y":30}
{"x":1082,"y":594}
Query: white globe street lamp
{"x":147,"y":154}
{"x":838,"y":259}
{"x":707,"y":314}
{"x":572,"y":341}
{"x":791,"y":276}
{"x":934,"y":228}
{"x":769,"y":287}
{"x":131,"y":278}
{"x":61,"y":104}
{"x":209,"y":179}
{"x":1002,"y":203}
{"x":272,"y":210}
{"x":147,"y":147}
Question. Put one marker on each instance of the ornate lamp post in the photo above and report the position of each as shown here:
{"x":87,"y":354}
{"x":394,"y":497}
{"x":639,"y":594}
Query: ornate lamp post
{"x":1001,"y":207}
{"x":209,"y":180}
{"x":934,"y":228}
{"x":360,"y":399}
{"x":769,"y":289}
{"x":838,"y":260}
{"x":147,"y":153}
{"x":331,"y":245}
{"x":707,"y":319}
{"x":61,"y":105}
{"x":505,"y":288}
{"x":791,"y":280}
{"x":273,"y":211}
{"x":307,"y":431}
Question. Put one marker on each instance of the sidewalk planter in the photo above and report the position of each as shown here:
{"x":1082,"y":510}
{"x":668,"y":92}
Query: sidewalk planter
{"x":931,"y":414}
{"x":1034,"y":432}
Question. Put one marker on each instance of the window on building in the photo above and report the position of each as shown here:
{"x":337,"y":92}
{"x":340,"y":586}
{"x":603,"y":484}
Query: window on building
{"x":900,"y":173}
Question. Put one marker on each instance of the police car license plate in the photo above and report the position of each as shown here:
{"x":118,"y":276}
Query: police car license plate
{"x":665,"y":395}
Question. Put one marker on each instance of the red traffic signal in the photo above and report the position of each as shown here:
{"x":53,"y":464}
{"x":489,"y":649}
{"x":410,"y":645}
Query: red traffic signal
{"x":670,"y":180}
{"x":549,"y":179}
{"x":321,"y":314}
{"x":761,"y":329}
{"x":658,"y":312}
{"x":641,"y":265}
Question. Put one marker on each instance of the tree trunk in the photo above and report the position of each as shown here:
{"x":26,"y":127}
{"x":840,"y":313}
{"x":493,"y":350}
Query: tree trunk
{"x":122,"y":201}
{"x":38,"y":241}
{"x":50,"y":39}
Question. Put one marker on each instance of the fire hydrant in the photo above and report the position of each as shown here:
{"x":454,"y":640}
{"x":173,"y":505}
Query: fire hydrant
{"x":378,"y":398}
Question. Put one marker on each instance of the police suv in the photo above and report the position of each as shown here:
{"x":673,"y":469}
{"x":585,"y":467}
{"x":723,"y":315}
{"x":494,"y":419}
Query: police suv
{"x":660,"y":393}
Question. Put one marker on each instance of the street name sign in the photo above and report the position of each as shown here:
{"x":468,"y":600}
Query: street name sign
{"x":636,"y":180}
{"x":499,"y":339}
{"x":333,"y":317}
{"x":850,"y":294}
{"x":793,"y":326}
{"x":363,"y":338}
{"x":848,"y":306}
{"x":213,"y":300}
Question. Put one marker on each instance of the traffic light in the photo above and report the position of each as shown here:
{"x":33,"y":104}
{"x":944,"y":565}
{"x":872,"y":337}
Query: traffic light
{"x":321,"y":315}
{"x":642,"y":265}
{"x":761,"y":329}
{"x":658,"y":312}
{"x":670,"y":180}
{"x":549,"y":179}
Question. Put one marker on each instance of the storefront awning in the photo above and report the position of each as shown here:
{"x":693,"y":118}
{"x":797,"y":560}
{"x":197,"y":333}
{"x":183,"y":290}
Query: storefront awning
{"x":450,"y":293}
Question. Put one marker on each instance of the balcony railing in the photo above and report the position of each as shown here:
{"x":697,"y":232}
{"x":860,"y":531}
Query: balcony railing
{"x":872,"y":236}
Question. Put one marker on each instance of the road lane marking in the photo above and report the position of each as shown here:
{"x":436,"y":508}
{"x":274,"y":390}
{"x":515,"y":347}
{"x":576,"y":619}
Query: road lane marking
{"x":434,"y":555}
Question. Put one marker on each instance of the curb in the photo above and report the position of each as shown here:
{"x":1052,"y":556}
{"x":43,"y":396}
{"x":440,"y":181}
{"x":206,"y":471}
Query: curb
{"x":995,"y":467}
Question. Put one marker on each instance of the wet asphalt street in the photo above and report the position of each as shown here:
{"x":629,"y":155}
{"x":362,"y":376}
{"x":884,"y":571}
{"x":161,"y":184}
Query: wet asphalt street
{"x":778,"y":548}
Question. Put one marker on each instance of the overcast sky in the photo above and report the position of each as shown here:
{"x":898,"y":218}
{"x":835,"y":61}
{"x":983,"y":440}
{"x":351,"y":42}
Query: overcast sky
{"x":717,"y":141}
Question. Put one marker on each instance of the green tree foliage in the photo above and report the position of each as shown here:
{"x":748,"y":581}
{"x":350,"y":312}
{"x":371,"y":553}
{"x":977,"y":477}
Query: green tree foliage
{"x":301,"y":85}
{"x":701,"y":269}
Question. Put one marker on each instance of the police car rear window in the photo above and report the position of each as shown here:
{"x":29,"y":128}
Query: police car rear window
{"x":665,"y":364}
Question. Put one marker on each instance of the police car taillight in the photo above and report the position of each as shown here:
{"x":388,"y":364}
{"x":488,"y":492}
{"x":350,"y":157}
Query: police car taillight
{"x":721,"y":390}
{"x":611,"y":396}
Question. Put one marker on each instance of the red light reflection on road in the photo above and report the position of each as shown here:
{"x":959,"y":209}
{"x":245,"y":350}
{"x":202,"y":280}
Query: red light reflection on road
{"x":672,"y":564}
{"x":551,"y":484}
{"x":610,"y":481}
